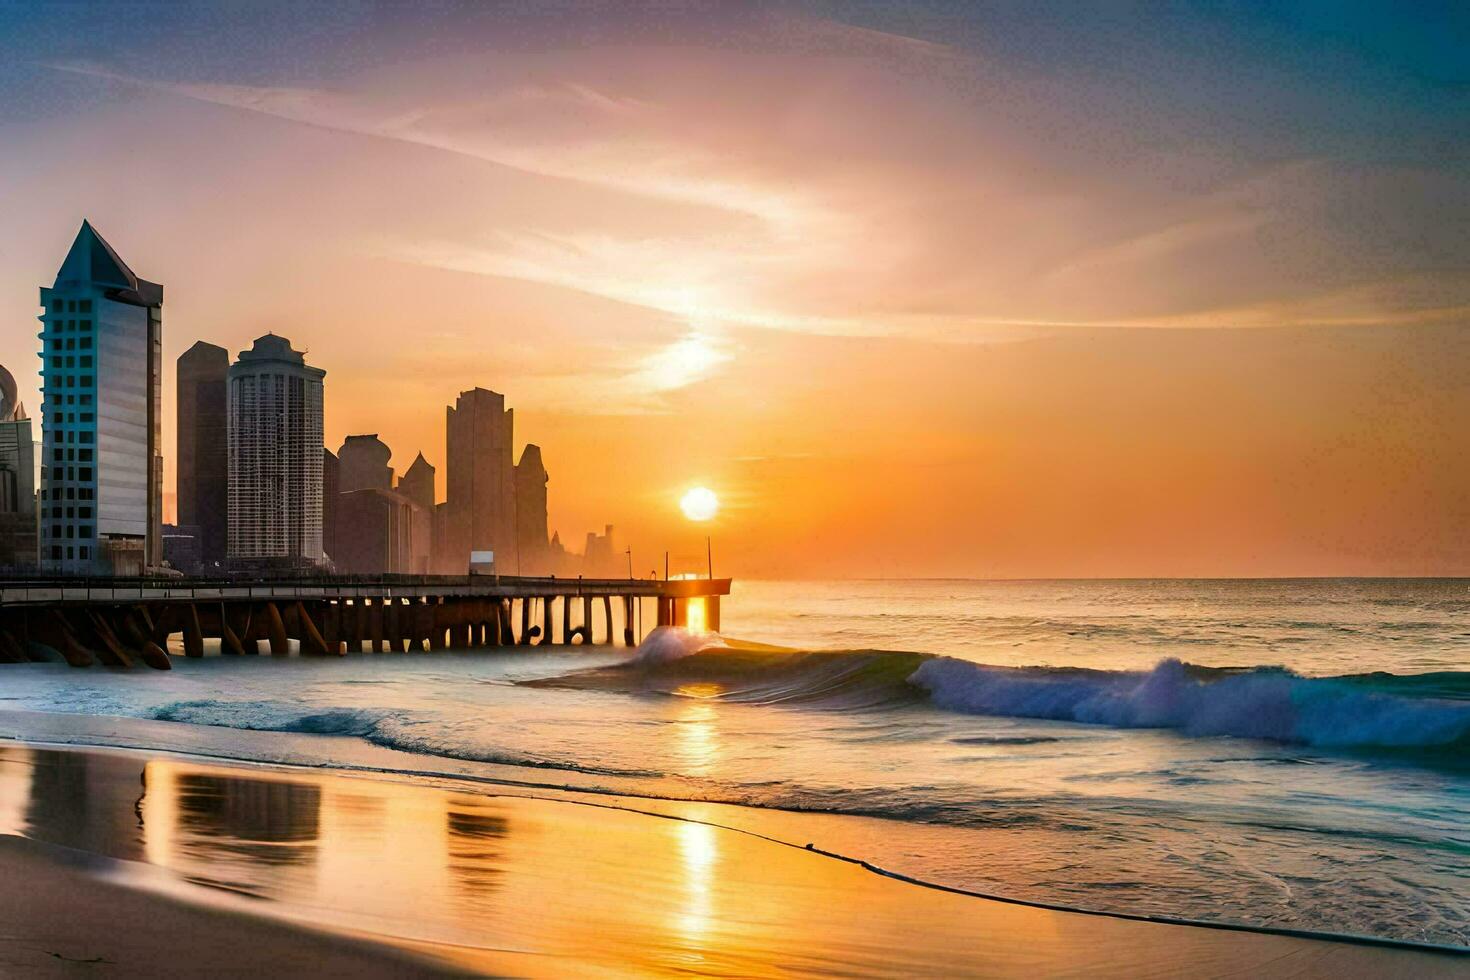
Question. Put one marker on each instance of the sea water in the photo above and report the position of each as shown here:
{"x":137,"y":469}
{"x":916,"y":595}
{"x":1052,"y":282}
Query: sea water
{"x":1286,"y":754}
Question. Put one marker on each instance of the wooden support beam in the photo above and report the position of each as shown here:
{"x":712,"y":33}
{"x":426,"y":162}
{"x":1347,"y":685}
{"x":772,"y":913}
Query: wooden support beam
{"x":438,"y":625}
{"x":11,"y":651}
{"x":312,"y":643}
{"x":630,"y":628}
{"x":607,"y":613}
{"x":566,"y":620}
{"x":390,"y":624}
{"x":423,"y":628}
{"x":331,"y":625}
{"x":132,"y":627}
{"x":113,"y":651}
{"x":193,"y":633}
{"x":55,"y":633}
{"x":548,"y":624}
{"x":276,"y":630}
{"x":526,"y":602}
{"x":375,"y":624}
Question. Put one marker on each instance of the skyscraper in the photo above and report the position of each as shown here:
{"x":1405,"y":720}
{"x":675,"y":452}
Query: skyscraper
{"x":531,"y":533}
{"x":275,"y":426}
{"x":17,"y":480}
{"x":480,"y":480}
{"x":203,"y":460}
{"x":101,"y":369}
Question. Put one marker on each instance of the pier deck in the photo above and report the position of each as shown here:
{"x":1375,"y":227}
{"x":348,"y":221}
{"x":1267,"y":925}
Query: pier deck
{"x":122,"y":620}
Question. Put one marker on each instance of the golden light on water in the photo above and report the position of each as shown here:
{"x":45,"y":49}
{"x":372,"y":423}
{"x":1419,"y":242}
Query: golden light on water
{"x":697,"y":620}
{"x":699,"y":504}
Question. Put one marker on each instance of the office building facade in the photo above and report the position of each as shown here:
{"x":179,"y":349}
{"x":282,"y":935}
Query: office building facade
{"x":101,"y":379}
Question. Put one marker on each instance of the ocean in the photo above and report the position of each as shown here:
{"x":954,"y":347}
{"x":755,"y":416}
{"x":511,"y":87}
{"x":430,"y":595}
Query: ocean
{"x":1290,"y":754}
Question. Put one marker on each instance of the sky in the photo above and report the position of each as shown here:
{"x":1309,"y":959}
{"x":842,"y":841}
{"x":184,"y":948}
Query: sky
{"x":920,"y":289}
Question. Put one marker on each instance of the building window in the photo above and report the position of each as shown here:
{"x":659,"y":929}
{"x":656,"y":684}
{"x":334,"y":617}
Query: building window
{"x":84,"y":530}
{"x":86,"y":343}
{"x":86,"y":399}
{"x":85,"y":493}
{"x":56,"y":511}
{"x":84,"y":455}
{"x":86,"y":360}
{"x":56,"y":455}
{"x":71,"y":343}
{"x":69,"y":550}
{"x":86,"y":472}
{"x":87,"y":417}
{"x":85,"y":306}
{"x":56,"y":552}
{"x":85,"y":513}
{"x":85,"y":436}
{"x":56,"y":362}
{"x":86,"y":381}
{"x":71,"y":306}
{"x":83,"y":552}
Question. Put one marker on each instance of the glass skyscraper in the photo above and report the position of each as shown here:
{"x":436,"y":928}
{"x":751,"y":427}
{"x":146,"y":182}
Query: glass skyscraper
{"x":101,"y":366}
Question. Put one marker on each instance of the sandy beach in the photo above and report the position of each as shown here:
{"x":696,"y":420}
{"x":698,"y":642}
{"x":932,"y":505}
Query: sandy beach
{"x":141,"y":863}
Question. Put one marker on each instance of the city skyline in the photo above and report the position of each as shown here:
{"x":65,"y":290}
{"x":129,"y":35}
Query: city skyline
{"x":1083,"y":321}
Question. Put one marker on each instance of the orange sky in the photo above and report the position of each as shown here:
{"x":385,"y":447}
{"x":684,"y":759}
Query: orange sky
{"x":912,"y":304}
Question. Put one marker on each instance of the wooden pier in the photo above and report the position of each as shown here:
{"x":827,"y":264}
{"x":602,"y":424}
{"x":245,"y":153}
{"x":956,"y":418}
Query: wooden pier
{"x":120,"y":622}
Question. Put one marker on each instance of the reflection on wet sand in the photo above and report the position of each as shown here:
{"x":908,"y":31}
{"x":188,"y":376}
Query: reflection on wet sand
{"x":547,"y":886}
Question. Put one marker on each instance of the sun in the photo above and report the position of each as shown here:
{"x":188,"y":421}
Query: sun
{"x":699,"y":504}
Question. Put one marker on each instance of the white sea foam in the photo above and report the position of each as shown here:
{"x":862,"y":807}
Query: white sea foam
{"x":670,"y":643}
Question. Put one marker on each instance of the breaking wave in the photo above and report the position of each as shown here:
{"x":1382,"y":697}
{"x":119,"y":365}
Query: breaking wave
{"x":1363,"y":711}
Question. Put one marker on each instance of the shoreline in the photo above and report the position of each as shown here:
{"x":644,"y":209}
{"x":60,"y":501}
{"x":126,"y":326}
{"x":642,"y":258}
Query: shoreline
{"x":486,"y":786}
{"x":673,"y":878}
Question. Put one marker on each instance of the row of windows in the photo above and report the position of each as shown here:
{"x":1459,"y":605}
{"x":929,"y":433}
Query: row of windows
{"x":59,"y":305}
{"x":62,"y":418}
{"x":83,"y":473}
{"x":84,"y":552}
{"x":71,"y":381}
{"x":73,"y":435}
{"x":69,"y":326}
{"x":72,"y":493}
{"x":57,"y":361}
{"x":72,"y":455}
{"x":53,"y":399}
{"x":82,"y":531}
{"x":85,"y":513}
{"x":71,"y":343}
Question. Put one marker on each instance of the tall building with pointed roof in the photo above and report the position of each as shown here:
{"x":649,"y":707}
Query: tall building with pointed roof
{"x":532,"y":545}
{"x":101,"y":380}
{"x":276,"y":457}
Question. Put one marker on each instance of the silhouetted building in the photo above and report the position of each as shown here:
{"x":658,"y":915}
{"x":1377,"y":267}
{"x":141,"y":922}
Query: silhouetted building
{"x":203,"y":459}
{"x":602,"y":558}
{"x":18,"y":526}
{"x":276,"y":456}
{"x":363,"y":464}
{"x":330,"y":469}
{"x":418,"y":486}
{"x":181,"y":548}
{"x":102,"y":465}
{"x":480,"y":479}
{"x":532,"y":545}
{"x":376,"y":534}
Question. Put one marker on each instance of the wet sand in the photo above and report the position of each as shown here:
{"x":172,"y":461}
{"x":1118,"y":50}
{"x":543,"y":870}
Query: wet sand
{"x":204,"y":868}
